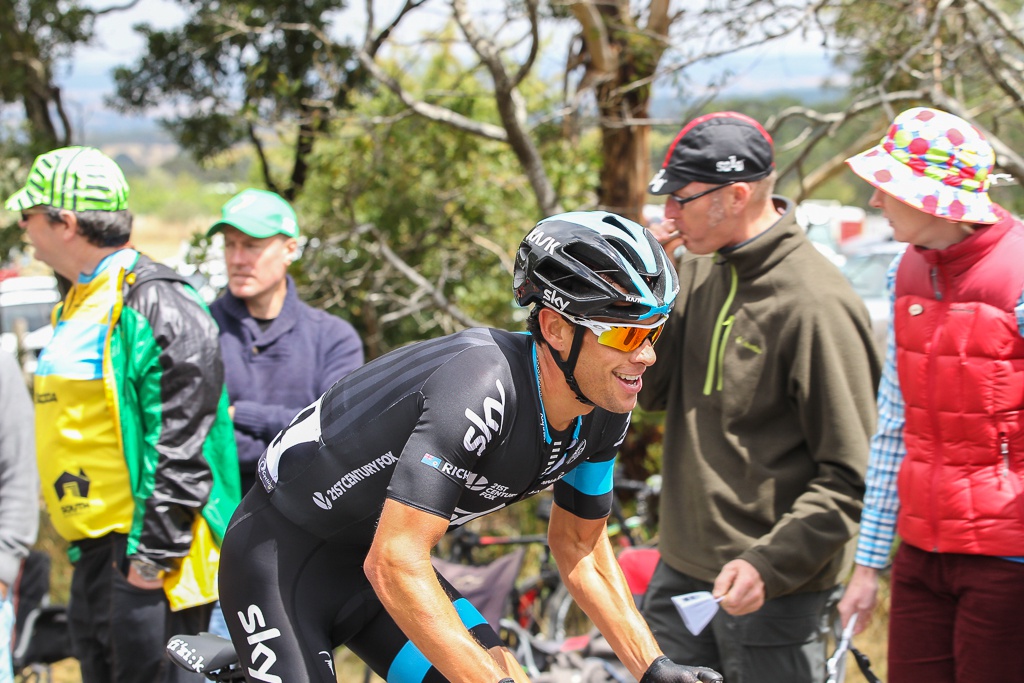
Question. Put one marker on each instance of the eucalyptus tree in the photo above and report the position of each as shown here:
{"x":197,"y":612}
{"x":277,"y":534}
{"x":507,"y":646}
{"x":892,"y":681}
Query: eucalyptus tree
{"x":963,"y":56}
{"x":259,"y":72}
{"x":37,"y":36}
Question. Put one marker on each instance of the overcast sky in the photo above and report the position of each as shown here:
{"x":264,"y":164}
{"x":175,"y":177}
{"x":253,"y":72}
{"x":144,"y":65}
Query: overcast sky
{"x":86,"y":81}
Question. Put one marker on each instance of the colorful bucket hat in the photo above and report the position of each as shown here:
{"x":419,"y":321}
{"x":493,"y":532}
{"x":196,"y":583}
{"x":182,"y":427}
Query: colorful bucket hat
{"x":935,"y":162}
{"x":73,"y":178}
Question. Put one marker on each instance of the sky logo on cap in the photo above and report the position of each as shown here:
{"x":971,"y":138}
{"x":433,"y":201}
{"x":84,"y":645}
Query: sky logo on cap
{"x":729,"y":165}
{"x":658,"y":181}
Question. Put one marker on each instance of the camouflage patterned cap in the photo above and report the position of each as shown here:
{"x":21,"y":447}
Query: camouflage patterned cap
{"x":73,"y":178}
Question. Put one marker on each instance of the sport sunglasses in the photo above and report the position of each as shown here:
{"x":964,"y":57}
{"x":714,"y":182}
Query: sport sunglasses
{"x":683,"y":201}
{"x":624,"y":337}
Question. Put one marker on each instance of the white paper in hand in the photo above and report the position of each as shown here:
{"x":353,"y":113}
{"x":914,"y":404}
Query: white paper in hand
{"x":696,"y":609}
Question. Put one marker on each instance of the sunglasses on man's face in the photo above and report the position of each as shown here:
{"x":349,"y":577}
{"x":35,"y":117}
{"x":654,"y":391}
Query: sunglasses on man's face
{"x":625,"y":336}
{"x":25,"y":215}
{"x":680,"y":202}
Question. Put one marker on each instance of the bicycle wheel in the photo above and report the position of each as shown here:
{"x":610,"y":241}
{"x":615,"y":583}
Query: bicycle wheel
{"x":532,"y":598}
{"x":564,"y":618}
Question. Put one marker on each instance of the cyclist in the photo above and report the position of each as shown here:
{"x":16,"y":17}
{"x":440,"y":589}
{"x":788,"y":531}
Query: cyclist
{"x":334,"y":547}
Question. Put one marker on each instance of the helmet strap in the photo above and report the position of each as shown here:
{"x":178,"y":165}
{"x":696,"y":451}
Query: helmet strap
{"x":568,"y":366}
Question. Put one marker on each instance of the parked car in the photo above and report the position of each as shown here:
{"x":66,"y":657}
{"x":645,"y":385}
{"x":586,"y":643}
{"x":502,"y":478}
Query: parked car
{"x":25,"y":306}
{"x":866,"y":266}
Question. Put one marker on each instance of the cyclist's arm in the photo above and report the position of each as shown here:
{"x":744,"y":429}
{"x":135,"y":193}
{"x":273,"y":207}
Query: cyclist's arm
{"x":398,"y":566}
{"x":590,"y":571}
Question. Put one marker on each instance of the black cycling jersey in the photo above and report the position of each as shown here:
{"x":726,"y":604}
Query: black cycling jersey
{"x":452,"y":426}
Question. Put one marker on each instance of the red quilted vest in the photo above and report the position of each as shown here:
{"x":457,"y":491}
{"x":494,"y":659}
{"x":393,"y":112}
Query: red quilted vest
{"x":960,"y":358}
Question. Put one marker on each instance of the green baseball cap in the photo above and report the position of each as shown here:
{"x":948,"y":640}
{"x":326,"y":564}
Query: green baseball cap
{"x":258,"y":213}
{"x":73,"y":178}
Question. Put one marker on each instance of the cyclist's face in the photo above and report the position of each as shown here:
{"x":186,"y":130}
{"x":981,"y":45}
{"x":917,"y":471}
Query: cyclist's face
{"x":609,"y":377}
{"x":256,"y":266}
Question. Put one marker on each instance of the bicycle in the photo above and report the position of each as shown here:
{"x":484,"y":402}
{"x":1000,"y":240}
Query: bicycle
{"x":205,"y":653}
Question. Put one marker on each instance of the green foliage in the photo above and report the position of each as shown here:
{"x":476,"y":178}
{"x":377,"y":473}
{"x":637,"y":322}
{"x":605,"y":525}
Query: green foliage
{"x":449,"y":204}
{"x":238,"y":68}
{"x":36,"y":35}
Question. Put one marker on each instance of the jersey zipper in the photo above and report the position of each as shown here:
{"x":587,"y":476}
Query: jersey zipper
{"x":716,"y":360}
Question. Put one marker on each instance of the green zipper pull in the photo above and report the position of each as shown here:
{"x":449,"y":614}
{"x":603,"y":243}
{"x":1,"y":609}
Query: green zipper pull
{"x":716,"y":363}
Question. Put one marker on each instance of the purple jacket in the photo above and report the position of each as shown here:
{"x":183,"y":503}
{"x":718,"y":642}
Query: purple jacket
{"x":273,"y":374}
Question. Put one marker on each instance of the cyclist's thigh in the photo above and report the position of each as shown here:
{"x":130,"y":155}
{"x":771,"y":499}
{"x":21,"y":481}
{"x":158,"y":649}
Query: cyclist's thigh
{"x":281,"y":590}
{"x":785,"y":640}
{"x":393,"y":657}
{"x":666,"y":624}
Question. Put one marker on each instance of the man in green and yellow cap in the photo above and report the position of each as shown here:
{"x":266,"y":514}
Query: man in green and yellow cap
{"x":134,"y":443}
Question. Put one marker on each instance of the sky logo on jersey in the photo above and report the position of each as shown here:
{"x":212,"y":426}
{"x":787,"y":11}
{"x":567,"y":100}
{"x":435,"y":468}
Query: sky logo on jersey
{"x":484,"y":428}
{"x":262,"y":654}
{"x":431,"y":460}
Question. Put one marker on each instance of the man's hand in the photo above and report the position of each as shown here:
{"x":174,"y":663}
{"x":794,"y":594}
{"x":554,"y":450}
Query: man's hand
{"x":668,"y":237}
{"x":742,"y":587}
{"x":664,"y":670}
{"x":860,"y":597}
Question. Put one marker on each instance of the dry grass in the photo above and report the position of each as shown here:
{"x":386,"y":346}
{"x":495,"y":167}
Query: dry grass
{"x":162,"y":240}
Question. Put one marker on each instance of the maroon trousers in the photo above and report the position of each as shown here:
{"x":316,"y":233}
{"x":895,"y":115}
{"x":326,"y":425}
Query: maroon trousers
{"x":955,"y":618}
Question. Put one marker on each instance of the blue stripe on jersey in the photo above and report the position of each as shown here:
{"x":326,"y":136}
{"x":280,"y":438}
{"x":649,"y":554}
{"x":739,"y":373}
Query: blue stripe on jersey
{"x":592,"y":478}
{"x":469,"y":615}
{"x":410,"y":666}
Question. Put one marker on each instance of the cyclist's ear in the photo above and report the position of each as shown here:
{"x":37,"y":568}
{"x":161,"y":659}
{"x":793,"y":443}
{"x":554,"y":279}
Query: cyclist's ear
{"x":557,"y":331}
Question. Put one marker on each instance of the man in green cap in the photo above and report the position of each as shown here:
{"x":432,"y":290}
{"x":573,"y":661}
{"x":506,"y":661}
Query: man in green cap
{"x":279,"y":353}
{"x":134,"y":442}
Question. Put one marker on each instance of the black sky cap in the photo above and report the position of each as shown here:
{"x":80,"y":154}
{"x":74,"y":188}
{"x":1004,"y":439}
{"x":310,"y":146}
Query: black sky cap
{"x":716,"y":148}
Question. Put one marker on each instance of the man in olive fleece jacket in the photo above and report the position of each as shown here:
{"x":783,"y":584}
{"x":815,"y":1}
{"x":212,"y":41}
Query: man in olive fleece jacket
{"x":767,"y":371}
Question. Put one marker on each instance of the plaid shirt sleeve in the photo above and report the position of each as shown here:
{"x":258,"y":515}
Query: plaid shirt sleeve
{"x":881,"y":504}
{"x":878,"y":521}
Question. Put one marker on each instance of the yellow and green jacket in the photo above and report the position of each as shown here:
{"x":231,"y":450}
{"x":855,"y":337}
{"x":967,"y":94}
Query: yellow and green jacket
{"x":132,"y":427}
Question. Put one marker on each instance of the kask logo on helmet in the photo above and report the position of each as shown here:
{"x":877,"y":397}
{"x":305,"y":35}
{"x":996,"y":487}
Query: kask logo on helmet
{"x":545,"y":242}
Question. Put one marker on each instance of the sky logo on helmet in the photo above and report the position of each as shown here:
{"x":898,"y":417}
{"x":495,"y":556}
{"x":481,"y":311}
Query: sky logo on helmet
{"x":542,"y":241}
{"x":551,"y":298}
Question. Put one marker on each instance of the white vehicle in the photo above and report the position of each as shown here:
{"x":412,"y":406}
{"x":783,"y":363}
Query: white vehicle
{"x":25,"y":306}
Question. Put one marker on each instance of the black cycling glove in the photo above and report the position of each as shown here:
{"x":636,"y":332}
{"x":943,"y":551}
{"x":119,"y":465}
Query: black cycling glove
{"x":664,"y":670}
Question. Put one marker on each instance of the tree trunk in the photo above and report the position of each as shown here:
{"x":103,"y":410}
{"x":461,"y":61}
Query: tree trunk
{"x":625,"y":149}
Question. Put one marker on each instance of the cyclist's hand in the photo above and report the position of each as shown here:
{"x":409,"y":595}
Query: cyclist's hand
{"x":664,"y":670}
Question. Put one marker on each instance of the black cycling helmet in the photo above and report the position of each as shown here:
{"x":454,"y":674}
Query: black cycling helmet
{"x":567,"y":260}
{"x":576,"y":263}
